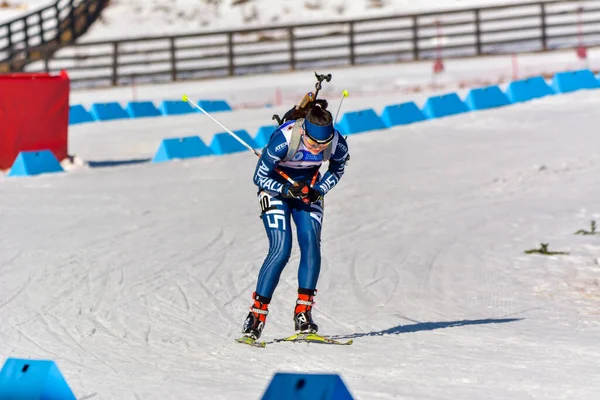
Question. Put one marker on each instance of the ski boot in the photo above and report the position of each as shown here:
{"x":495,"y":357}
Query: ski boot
{"x":255,"y":321}
{"x":302,"y":313}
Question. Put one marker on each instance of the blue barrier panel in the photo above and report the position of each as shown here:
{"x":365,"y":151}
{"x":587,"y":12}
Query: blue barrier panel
{"x":214,"y":105}
{"x":175,"y":107}
{"x":264,"y":135}
{"x":141,"y":109}
{"x":79,"y":115}
{"x":186,"y":147}
{"x":33,"y":379}
{"x":224,"y":143}
{"x":289,"y":386}
{"x":360,"y":121}
{"x":565,"y":82}
{"x":487,"y":97}
{"x":108,"y":111}
{"x":528,"y":89}
{"x":401,"y":114}
{"x":443,"y":106}
{"x":34,"y":163}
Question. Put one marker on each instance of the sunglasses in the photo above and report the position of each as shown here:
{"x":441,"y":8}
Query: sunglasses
{"x":312,"y":144}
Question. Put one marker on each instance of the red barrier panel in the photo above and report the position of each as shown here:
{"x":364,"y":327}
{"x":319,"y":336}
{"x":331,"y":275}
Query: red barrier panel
{"x":34,"y":114}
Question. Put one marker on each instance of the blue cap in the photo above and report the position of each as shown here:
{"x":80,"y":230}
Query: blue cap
{"x":319,"y":133}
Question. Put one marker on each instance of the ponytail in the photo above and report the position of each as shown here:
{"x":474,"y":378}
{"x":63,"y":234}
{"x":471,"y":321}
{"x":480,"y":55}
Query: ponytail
{"x":318,"y":114}
{"x":294,"y":114}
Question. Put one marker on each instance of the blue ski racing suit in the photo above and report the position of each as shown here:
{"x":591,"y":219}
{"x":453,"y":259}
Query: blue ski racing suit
{"x":277,"y":211}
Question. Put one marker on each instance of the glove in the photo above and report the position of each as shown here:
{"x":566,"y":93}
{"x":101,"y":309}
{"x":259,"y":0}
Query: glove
{"x":313,"y":195}
{"x":298,"y":191}
{"x":301,"y":191}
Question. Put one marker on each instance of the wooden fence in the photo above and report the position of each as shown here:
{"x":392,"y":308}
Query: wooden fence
{"x":37,"y":35}
{"x":529,"y":27}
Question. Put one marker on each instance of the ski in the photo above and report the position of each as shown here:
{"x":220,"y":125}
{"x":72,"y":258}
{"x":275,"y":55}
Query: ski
{"x":312,"y":338}
{"x":250,"y":341}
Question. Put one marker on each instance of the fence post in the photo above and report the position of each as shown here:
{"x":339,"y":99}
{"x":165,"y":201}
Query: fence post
{"x":478,"y":31}
{"x":292,"y":51}
{"x":352,"y":54}
{"x":415,"y":38}
{"x":26,"y":37}
{"x":57,"y":23}
{"x":86,"y":16}
{"x":173,"y":60}
{"x":230,"y":53}
{"x":72,"y":22}
{"x":46,"y":62}
{"x":41,"y":24}
{"x":10,"y":43}
{"x":544,"y":26}
{"x":115,"y":64}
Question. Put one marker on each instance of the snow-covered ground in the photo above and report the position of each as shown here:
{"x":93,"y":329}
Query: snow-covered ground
{"x":136,"y":278}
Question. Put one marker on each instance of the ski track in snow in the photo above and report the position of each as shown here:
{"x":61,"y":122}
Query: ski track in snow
{"x":136,"y":279}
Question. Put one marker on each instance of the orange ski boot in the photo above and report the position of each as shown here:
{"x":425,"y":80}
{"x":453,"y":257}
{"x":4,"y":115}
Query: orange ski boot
{"x":255,"y":321}
{"x":302,"y":313}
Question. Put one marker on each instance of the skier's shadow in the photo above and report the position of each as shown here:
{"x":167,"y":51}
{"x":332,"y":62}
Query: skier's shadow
{"x":428,"y":326}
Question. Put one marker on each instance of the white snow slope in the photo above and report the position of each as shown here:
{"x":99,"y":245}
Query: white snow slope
{"x":136,"y":279}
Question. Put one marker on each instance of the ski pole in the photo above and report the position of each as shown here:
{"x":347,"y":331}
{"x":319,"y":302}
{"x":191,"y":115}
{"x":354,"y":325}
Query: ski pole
{"x":344,"y":95}
{"x":187,"y":100}
{"x":280,"y":172}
